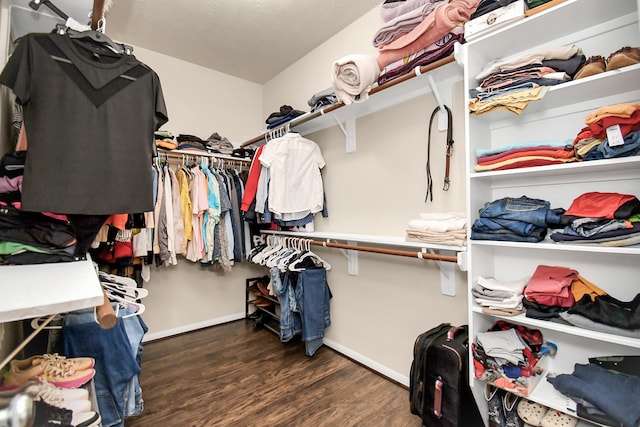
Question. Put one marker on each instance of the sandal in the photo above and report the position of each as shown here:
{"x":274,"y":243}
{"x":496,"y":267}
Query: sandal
{"x":555,"y":418}
{"x":531,"y":413}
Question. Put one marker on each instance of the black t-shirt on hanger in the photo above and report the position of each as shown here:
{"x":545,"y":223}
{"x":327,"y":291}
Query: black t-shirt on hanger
{"x":89,"y":118}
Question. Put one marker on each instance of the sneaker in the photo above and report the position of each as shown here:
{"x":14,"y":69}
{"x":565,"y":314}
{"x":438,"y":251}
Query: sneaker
{"x":76,"y":399}
{"x":510,"y":405}
{"x":86,"y":419}
{"x":59,"y":371}
{"x":495,"y":408}
{"x":48,"y":415}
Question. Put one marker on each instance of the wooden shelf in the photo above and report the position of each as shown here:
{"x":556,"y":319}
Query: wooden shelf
{"x":408,"y":86}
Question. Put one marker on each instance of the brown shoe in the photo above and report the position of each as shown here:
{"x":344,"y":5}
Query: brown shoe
{"x":593,"y":65}
{"x":261,"y":302}
{"x":623,"y":57}
{"x":263,"y":289}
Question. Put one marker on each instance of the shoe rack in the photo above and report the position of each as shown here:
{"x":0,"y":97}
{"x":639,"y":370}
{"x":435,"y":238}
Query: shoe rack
{"x":262,"y":308}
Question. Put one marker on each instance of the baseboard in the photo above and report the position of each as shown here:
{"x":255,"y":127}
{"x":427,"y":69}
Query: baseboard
{"x":365,"y":361}
{"x":191,"y":327}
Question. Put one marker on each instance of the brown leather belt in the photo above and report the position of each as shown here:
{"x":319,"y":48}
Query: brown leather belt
{"x":449,"y":152}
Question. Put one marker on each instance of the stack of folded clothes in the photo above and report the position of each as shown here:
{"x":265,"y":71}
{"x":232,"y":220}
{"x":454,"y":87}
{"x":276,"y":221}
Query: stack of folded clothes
{"x":191,"y":142}
{"x":520,"y":219}
{"x":605,"y":313}
{"x":501,"y":297}
{"x":219,"y":144}
{"x":322,"y":99}
{"x":29,"y":237}
{"x":606,"y":395}
{"x":592,"y":142}
{"x":418,"y":32}
{"x":552,"y":290}
{"x":165,"y":139}
{"x":511,"y":83}
{"x":285,"y":114}
{"x":445,"y":228}
{"x":524,"y":155}
{"x":604,"y":218}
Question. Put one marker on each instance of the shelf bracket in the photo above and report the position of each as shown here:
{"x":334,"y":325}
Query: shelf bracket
{"x":349,"y":134}
{"x":351,"y":256}
{"x":447,"y":275}
{"x":442,"y":113}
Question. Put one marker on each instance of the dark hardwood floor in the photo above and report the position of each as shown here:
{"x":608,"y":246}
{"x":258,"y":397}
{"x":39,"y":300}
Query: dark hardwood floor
{"x":236,"y":375}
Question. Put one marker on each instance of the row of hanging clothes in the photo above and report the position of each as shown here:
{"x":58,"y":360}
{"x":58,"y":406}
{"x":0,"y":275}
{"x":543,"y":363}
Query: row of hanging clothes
{"x":196,"y":216}
{"x":298,"y":278}
{"x":117,"y":351}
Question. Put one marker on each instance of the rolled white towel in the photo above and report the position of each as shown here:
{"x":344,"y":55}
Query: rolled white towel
{"x":354,"y":76}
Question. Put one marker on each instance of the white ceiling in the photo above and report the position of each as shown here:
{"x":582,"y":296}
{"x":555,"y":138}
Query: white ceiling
{"x":250,"y":39}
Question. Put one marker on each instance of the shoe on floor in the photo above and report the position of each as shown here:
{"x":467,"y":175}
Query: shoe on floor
{"x":592,"y":66}
{"x":623,"y":57}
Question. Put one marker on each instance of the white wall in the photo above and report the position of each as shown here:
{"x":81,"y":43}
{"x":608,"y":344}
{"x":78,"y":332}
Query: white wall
{"x":377,"y":315}
{"x":201,"y":101}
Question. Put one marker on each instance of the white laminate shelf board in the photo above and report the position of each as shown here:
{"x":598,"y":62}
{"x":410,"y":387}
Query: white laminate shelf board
{"x":557,"y":22}
{"x":43,"y":289}
{"x":397,"y":241}
{"x":604,"y":166}
{"x":568,"y":329}
{"x":550,"y":245}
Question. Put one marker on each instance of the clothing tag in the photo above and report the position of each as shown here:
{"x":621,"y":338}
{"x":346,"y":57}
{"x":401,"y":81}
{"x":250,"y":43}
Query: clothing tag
{"x":614,"y":136}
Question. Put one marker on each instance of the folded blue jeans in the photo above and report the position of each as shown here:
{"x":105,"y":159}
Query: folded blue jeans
{"x":615,"y":394}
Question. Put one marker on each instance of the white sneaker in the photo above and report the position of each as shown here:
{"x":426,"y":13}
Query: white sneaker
{"x":86,"y":419}
{"x":60,"y":397}
{"x":77,"y":405}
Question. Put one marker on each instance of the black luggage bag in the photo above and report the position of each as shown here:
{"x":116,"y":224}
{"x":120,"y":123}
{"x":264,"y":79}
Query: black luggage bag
{"x":439,"y":389}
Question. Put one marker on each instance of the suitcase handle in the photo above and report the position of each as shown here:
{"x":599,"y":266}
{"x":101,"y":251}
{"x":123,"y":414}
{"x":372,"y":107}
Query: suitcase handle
{"x":437,"y":398}
{"x":455,"y":330}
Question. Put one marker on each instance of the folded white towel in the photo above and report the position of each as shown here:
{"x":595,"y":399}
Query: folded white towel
{"x":438,"y":225}
{"x":354,"y":76}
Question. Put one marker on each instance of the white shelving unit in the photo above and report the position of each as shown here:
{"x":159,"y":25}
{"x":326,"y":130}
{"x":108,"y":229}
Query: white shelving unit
{"x":598,"y":28}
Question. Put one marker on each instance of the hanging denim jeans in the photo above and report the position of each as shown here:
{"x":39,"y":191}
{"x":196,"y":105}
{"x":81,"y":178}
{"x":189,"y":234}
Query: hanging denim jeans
{"x":115,"y":363}
{"x":312,"y":294}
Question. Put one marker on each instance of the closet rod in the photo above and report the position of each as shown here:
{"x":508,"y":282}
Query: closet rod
{"x":179,"y":154}
{"x":303,"y":119}
{"x":410,"y":254}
